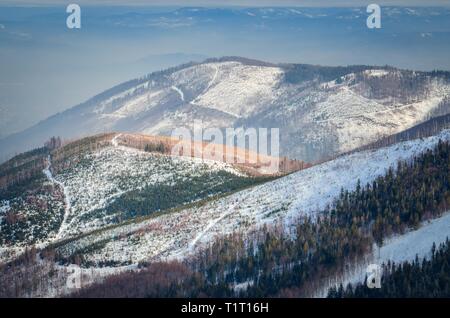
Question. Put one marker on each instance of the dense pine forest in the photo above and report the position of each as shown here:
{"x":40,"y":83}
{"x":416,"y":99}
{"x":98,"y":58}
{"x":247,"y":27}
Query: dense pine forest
{"x":280,"y":262}
{"x":419,"y":279}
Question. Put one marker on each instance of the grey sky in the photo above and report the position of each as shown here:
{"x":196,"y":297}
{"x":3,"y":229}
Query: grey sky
{"x":34,"y":41}
{"x":325,"y":3}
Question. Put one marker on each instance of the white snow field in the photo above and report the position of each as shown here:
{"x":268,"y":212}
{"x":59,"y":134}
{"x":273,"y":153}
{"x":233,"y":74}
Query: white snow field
{"x":177,"y":234}
{"x":358,"y":119}
{"x":251,"y":88}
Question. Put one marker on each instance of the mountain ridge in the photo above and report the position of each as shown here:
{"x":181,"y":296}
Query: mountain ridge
{"x":49,"y":194}
{"x":299,"y":99}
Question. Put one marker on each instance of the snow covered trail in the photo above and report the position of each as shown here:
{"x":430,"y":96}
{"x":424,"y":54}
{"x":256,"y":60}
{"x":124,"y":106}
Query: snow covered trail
{"x":67,"y":204}
{"x":216,"y":72}
{"x":114,"y":141}
{"x":392,"y":110}
{"x":211,"y":82}
{"x":210,"y":225}
{"x":179,"y":91}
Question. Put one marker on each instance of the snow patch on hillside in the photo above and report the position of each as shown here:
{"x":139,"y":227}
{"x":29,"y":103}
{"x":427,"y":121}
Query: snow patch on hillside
{"x":140,"y":104}
{"x":240,"y":89}
{"x":4,"y":206}
{"x":358,"y":120}
{"x":398,"y":249}
{"x":109,"y":103}
{"x":376,"y":73}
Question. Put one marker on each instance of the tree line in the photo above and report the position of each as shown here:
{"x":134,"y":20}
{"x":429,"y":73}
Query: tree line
{"x":425,"y":278}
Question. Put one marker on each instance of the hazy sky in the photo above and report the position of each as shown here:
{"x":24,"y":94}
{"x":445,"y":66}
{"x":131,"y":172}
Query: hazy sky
{"x":237,"y":2}
{"x":46,"y":68}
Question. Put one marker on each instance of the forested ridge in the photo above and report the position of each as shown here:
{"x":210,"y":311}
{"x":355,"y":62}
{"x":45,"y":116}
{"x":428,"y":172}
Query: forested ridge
{"x":275,"y":263}
{"x":425,"y":278}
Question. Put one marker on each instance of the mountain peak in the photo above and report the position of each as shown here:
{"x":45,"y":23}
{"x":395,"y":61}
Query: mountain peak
{"x":322,"y":111}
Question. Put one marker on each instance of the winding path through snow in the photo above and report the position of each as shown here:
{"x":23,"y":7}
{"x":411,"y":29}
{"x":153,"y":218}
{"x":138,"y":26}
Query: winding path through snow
{"x":213,"y":79}
{"x":67,"y":204}
{"x":210,"y":83}
{"x":212,"y":224}
{"x":115,"y":144}
{"x":179,"y":91}
{"x":208,"y":227}
{"x":114,"y":141}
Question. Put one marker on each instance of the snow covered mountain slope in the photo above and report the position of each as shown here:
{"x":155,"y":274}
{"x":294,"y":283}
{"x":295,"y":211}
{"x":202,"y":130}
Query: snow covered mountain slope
{"x":321,"y":111}
{"x":398,"y":249}
{"x":96,"y":182}
{"x":111,"y":174}
{"x":177,"y":234}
